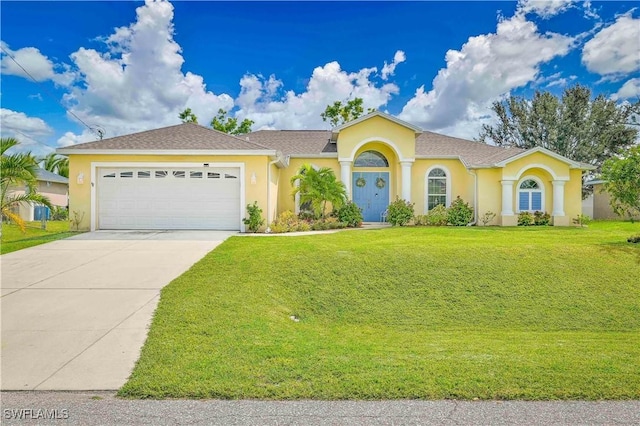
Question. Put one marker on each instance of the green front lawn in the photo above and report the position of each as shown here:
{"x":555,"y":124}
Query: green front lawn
{"x":504,"y":313}
{"x":14,"y":239}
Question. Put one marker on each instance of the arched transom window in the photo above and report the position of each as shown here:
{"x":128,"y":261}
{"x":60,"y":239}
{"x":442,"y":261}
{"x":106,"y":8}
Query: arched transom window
{"x":371,"y":159}
{"x":437,"y":186}
{"x":530,"y":196}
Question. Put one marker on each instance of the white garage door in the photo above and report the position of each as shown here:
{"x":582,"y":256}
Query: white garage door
{"x":168,"y":198}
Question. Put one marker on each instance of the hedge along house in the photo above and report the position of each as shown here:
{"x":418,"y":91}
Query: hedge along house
{"x":191,"y":177}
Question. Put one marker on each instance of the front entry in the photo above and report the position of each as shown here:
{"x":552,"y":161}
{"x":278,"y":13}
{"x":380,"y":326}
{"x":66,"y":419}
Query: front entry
{"x":371,"y":194}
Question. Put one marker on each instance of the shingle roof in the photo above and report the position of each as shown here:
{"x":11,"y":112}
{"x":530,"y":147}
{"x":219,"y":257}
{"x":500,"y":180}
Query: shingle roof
{"x":179,"y":137}
{"x":296,"y":142}
{"x":472,"y":153}
{"x":47,"y":176}
{"x":315,"y":142}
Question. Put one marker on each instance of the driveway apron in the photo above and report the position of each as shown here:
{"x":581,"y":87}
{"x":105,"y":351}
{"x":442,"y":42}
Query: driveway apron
{"x":75,"y":312}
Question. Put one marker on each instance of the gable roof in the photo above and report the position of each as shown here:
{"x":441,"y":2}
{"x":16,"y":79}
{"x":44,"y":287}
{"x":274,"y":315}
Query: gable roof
{"x":386,"y":116}
{"x":47,"y":176}
{"x":185,"y":136}
{"x":572,"y":163}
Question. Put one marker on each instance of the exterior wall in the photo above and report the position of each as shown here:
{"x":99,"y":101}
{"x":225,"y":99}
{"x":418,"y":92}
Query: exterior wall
{"x":377,"y":129}
{"x":601,"y":204}
{"x":80,"y":193}
{"x":572,"y":199}
{"x":489,"y":194}
{"x":462,"y":182}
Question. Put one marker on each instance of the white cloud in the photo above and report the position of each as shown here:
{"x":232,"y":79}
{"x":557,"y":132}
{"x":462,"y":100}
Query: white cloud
{"x":28,"y":130}
{"x":35,"y":63}
{"x":70,"y":138}
{"x":615,"y":49}
{"x":630,"y":89}
{"x":262,"y":99}
{"x":390,"y":69}
{"x":15,"y":122}
{"x":485,"y":69}
{"x":544,"y":8}
{"x":137,"y":82}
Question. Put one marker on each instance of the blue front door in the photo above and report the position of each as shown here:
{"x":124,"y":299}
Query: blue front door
{"x":371,"y":193}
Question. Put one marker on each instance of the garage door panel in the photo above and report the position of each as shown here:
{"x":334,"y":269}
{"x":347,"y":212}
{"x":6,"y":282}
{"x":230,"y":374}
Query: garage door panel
{"x":164,"y":198}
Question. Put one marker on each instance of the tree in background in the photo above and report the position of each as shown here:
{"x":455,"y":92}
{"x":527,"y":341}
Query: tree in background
{"x":188,"y":117}
{"x":230,"y":124}
{"x":18,"y":173}
{"x":574,"y":126}
{"x":319,"y":187}
{"x":339,"y":114}
{"x":220,"y":122}
{"x":622,"y":182}
{"x":55,"y":163}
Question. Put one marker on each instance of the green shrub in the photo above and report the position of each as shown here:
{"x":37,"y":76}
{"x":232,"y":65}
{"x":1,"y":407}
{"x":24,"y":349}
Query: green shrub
{"x":350,"y":214}
{"x":420,"y":220}
{"x":303,"y":226}
{"x":286,"y":221}
{"x":437,"y":216}
{"x":541,"y":219}
{"x":487,"y":217}
{"x":634,"y":239}
{"x":400,"y":212}
{"x":459,"y":213}
{"x":525,"y":219}
{"x":59,"y":213}
{"x":581,"y":219}
{"x":255,"y":220}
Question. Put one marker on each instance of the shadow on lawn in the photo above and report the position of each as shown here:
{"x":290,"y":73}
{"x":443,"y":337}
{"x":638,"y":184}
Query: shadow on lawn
{"x":623,"y":247}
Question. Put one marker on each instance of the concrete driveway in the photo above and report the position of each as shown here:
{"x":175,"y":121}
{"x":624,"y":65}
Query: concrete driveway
{"x":75,"y":312}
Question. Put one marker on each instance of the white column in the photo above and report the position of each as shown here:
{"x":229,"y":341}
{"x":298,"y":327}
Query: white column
{"x":558,"y":197}
{"x":507,"y":198}
{"x":345,"y":176}
{"x":406,"y":179}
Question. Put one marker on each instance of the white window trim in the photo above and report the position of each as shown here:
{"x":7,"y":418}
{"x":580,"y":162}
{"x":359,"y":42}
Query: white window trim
{"x":426,"y":186}
{"x":541,"y":190}
{"x":93,"y":220}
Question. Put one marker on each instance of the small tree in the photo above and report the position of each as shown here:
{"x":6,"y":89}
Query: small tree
{"x":622,"y":182}
{"x":319,"y":187}
{"x":230,"y":125}
{"x":340,"y":113}
{"x":255,"y":220}
{"x":18,"y":172}
{"x":188,"y":117}
{"x":55,"y":163}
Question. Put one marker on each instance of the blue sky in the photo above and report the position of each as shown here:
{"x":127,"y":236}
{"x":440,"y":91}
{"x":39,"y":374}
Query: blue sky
{"x":130,"y":66}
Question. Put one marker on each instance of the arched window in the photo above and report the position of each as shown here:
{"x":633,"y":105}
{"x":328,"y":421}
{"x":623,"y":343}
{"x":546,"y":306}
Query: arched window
{"x":530,"y":195}
{"x":371,"y":159}
{"x":438,"y":188}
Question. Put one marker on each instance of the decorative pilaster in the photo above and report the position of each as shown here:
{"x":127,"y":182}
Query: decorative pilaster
{"x":345,"y":176}
{"x":406,"y":179}
{"x":507,"y":198}
{"x":558,"y":197}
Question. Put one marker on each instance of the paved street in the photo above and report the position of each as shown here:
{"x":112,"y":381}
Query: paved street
{"x":102,"y":408}
{"x":75,"y":312}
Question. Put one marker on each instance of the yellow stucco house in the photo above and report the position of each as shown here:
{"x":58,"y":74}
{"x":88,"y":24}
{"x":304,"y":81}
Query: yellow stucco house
{"x":192,"y":177}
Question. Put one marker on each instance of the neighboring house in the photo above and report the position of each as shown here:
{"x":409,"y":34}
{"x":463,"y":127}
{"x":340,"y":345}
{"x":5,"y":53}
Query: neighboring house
{"x":192,"y":177}
{"x":52,"y":186}
{"x":599,"y":203}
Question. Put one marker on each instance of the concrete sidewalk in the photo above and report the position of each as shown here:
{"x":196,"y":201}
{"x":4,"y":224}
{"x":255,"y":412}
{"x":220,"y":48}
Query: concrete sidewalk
{"x":75,"y":312}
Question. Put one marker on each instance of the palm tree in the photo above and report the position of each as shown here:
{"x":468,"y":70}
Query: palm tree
{"x":319,"y":187}
{"x":55,"y":163}
{"x":17,"y":171}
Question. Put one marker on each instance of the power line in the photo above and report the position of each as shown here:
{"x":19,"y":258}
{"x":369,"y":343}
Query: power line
{"x":29,"y":137}
{"x":45,"y":89}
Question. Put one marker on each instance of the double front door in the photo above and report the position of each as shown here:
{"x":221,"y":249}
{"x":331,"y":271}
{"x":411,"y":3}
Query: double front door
{"x":371,"y":193}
